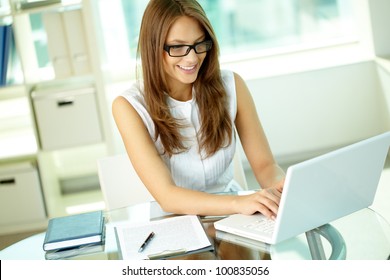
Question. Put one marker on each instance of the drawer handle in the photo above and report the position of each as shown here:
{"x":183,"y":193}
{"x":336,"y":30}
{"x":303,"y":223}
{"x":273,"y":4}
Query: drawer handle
{"x":64,"y":103}
{"x":7,"y":181}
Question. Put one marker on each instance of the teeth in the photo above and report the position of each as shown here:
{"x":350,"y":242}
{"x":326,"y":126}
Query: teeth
{"x":187,"y":68}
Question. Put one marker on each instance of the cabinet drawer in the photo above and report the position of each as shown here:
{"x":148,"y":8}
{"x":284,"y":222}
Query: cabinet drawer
{"x":67,"y":119}
{"x":21,"y":199}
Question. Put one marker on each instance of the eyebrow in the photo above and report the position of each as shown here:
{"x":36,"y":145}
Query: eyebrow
{"x":178,"y":41}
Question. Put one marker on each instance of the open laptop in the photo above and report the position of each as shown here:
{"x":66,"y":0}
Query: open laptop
{"x":318,"y":191}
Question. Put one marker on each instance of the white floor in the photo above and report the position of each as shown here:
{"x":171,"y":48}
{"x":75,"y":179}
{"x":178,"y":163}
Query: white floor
{"x":382,"y":199}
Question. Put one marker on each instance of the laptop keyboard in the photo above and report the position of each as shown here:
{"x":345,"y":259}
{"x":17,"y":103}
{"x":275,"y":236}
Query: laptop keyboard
{"x":263,"y":224}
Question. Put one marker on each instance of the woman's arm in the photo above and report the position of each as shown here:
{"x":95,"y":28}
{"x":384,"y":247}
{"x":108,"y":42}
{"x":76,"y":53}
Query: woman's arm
{"x":254,"y":141}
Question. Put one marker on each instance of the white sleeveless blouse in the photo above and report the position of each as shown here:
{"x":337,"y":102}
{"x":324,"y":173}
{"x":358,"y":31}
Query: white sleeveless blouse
{"x":189,"y":170}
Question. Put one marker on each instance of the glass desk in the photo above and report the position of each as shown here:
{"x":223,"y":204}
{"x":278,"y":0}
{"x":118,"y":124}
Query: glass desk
{"x":365,"y":233}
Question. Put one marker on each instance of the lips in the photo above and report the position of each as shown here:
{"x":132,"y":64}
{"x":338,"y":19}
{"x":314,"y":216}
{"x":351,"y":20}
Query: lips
{"x":187,"y":68}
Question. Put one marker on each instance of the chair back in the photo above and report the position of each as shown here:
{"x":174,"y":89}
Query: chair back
{"x":238,"y":170}
{"x":119,"y":182}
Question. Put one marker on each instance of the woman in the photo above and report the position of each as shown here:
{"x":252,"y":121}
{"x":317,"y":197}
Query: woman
{"x":178,"y":124}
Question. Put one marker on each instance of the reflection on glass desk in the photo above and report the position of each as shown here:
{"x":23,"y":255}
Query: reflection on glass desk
{"x":365,"y":233}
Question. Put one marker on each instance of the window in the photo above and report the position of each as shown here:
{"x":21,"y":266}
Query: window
{"x":244,"y":28}
{"x":253,"y":25}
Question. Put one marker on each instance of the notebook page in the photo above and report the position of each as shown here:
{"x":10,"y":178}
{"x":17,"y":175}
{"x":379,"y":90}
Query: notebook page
{"x":181,"y":233}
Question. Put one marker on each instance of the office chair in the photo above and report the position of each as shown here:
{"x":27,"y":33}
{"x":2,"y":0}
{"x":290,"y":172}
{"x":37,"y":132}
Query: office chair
{"x":119,"y":182}
{"x":122,"y":187}
{"x":238,"y":170}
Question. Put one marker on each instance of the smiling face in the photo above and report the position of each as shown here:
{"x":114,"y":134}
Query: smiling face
{"x":182,"y":71}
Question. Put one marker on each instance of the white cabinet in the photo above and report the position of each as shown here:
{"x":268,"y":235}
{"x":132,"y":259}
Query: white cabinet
{"x":21,"y":199}
{"x":67,"y":118}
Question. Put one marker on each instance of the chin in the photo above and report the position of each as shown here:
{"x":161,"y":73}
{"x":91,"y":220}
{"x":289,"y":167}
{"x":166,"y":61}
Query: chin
{"x":188,"y":79}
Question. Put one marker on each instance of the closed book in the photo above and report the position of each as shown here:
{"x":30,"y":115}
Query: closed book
{"x":74,"y":231}
{"x":87,"y":251}
{"x":5,"y":41}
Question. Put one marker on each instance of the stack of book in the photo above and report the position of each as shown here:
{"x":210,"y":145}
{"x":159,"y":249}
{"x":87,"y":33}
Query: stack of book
{"x":75,"y":235}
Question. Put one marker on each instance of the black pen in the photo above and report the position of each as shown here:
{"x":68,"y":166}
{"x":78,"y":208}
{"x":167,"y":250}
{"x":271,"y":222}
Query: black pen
{"x":146,"y":242}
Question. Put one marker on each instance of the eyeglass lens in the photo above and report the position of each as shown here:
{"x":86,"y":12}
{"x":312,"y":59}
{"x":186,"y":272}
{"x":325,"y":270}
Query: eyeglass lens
{"x":183,"y":50}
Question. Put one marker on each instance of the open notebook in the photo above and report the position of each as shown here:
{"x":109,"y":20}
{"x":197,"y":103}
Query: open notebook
{"x":318,"y":191}
{"x":172,"y":237}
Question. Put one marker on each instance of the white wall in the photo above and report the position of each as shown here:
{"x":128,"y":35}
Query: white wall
{"x":308,"y":113}
{"x":384,"y":77}
{"x":379,"y":14}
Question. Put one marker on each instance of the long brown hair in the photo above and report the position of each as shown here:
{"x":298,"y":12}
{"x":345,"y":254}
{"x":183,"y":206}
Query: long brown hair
{"x":216,"y":125}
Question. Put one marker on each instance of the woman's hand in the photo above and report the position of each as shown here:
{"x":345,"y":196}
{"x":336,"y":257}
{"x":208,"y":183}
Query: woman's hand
{"x":265,"y":201}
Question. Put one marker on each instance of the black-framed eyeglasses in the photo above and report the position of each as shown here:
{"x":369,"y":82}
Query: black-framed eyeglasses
{"x":183,"y":50}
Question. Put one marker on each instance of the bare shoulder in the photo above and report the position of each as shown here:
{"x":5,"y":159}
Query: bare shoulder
{"x":238,"y":79}
{"x":121,"y":105}
{"x":119,"y":102}
{"x":244,"y":97}
{"x":125,"y":115}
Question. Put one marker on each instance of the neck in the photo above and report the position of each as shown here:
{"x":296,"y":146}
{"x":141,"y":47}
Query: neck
{"x":183,"y":93}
